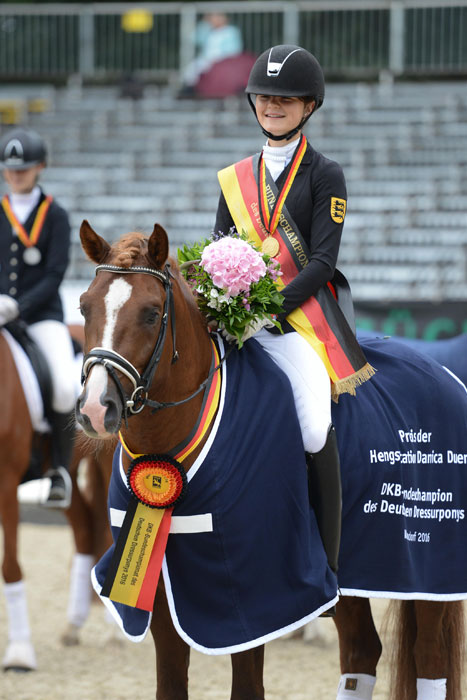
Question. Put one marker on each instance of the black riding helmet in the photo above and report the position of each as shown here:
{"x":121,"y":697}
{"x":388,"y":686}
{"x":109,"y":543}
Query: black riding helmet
{"x":286,"y":71}
{"x":21,"y":149}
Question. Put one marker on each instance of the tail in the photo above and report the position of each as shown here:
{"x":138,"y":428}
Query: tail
{"x":452,"y":641}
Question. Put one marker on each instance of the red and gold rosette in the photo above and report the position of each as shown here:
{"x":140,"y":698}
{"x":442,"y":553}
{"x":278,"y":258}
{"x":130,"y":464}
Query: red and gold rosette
{"x":158,"y":481}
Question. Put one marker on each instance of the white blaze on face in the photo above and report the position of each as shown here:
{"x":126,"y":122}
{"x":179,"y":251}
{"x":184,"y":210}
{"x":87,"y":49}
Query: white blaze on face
{"x":118,"y":294}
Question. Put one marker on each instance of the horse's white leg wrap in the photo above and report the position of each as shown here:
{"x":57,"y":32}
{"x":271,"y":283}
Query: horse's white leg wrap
{"x":17,"y":611}
{"x":79,"y":601}
{"x":356,"y":686}
{"x":20,"y":651}
{"x":431,"y":689}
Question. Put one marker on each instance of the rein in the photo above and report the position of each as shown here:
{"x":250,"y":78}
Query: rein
{"x":113,"y":362}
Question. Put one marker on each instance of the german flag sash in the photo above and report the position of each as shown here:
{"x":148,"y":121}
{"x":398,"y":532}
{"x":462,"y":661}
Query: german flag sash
{"x":158,"y":482}
{"x":248,"y":189}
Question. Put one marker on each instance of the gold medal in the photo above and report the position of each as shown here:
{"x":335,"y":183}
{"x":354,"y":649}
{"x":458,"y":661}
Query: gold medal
{"x":270,"y":246}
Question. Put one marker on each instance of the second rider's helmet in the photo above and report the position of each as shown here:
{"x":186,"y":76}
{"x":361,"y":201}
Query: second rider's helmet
{"x":21,"y":149}
{"x":287,"y":71}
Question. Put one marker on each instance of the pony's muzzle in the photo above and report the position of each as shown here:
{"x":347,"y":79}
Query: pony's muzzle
{"x":99,"y":419}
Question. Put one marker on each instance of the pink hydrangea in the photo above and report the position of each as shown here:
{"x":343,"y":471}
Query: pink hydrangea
{"x":233,"y":265}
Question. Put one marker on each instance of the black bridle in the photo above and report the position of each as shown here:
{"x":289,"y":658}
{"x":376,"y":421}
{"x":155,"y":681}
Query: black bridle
{"x":113,"y":362}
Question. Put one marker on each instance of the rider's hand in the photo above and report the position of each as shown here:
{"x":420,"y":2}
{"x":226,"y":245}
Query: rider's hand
{"x":250,"y":330}
{"x":256,"y":326}
{"x":9,"y":309}
{"x":212,"y":324}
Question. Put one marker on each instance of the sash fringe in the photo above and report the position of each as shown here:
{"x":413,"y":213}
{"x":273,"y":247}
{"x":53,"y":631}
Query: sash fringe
{"x":350,"y":383}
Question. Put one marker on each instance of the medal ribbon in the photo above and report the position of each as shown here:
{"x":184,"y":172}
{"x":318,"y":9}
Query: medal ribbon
{"x":134,"y":571}
{"x":271,"y":217}
{"x":28,"y":240}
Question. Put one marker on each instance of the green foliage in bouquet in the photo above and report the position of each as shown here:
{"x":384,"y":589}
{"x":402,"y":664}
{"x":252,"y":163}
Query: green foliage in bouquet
{"x":234,"y":283}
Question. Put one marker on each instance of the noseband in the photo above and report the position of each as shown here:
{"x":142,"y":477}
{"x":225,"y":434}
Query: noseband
{"x":113,"y":361}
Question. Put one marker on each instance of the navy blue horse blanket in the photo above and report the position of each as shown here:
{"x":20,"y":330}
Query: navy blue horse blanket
{"x":403,"y":447}
{"x":449,"y":352}
{"x":244,"y":561}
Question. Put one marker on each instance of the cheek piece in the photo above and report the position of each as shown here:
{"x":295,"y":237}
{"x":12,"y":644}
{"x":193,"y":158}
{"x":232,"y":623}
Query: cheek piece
{"x":286,"y":136}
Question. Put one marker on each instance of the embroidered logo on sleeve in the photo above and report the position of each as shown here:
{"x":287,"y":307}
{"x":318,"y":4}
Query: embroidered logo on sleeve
{"x":338,"y":207}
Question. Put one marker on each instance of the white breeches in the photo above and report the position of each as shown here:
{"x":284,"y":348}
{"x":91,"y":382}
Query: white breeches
{"x":310,"y":382}
{"x":54,"y":340}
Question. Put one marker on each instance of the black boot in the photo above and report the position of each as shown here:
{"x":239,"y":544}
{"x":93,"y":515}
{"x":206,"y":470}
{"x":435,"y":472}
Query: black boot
{"x":325,"y":492}
{"x":63,"y":434}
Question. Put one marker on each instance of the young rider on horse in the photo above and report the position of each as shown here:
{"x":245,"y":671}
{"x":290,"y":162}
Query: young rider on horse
{"x":34,"y":253}
{"x":293,"y":199}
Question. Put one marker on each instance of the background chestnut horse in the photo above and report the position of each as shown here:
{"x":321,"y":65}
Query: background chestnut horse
{"x":86,"y":514}
{"x":432,"y":632}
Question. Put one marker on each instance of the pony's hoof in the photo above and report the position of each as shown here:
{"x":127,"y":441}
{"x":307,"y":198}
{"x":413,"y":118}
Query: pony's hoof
{"x":19,"y":656}
{"x":70,"y":637}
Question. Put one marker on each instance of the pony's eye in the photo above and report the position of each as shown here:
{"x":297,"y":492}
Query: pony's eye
{"x":150,"y":316}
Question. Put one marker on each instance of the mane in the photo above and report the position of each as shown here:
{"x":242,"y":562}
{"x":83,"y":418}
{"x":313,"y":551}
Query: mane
{"x":129,"y":249}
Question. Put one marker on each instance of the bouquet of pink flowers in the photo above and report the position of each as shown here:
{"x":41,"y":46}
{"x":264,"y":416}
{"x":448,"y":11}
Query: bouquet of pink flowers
{"x":234,"y":283}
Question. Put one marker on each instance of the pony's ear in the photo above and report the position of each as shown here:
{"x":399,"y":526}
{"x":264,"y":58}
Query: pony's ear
{"x":158,"y":247}
{"x":94,"y":246}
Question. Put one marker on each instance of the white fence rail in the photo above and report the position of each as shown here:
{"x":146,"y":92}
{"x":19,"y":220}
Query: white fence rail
{"x":352,"y":38}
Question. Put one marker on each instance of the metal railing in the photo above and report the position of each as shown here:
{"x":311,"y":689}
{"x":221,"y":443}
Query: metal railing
{"x":351,"y":38}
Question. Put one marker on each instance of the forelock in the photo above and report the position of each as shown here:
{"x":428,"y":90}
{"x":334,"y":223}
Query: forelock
{"x":129,"y":249}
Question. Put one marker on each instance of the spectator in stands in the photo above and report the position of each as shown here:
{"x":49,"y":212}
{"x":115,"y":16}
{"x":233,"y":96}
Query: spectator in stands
{"x":294,"y":199}
{"x":215,"y":39}
{"x":34,"y":252}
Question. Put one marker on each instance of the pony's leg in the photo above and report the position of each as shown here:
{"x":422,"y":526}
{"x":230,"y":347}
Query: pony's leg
{"x":79,"y":597}
{"x":9,"y":516}
{"x":359,"y":647}
{"x":87,"y":516}
{"x":438,"y":650}
{"x":19,"y":654}
{"x":172,"y":653}
{"x":430,"y":651}
{"x":247,"y":674}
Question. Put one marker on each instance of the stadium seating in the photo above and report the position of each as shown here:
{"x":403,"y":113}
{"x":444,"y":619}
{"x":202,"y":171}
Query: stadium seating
{"x":125,"y":164}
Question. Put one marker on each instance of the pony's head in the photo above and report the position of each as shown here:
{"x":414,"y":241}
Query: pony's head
{"x":129,"y":312}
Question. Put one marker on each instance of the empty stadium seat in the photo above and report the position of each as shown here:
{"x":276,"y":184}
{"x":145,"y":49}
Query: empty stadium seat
{"x":403,"y":146}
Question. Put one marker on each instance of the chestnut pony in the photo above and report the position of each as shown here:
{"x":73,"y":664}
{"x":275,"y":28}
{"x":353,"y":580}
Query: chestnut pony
{"x":84,"y":514}
{"x":135,"y":312}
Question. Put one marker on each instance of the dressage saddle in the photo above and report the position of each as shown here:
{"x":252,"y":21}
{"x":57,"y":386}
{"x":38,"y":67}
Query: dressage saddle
{"x":19,"y":330}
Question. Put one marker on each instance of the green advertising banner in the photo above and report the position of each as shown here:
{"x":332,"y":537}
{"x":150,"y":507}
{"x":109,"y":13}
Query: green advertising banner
{"x":425,"y":320}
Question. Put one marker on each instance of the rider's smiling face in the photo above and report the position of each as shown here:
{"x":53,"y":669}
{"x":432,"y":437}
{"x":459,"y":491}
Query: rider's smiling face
{"x":279,"y":115}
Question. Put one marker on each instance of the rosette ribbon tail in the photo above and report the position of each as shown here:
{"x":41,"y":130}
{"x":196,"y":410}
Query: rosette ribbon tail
{"x":134,"y":571}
